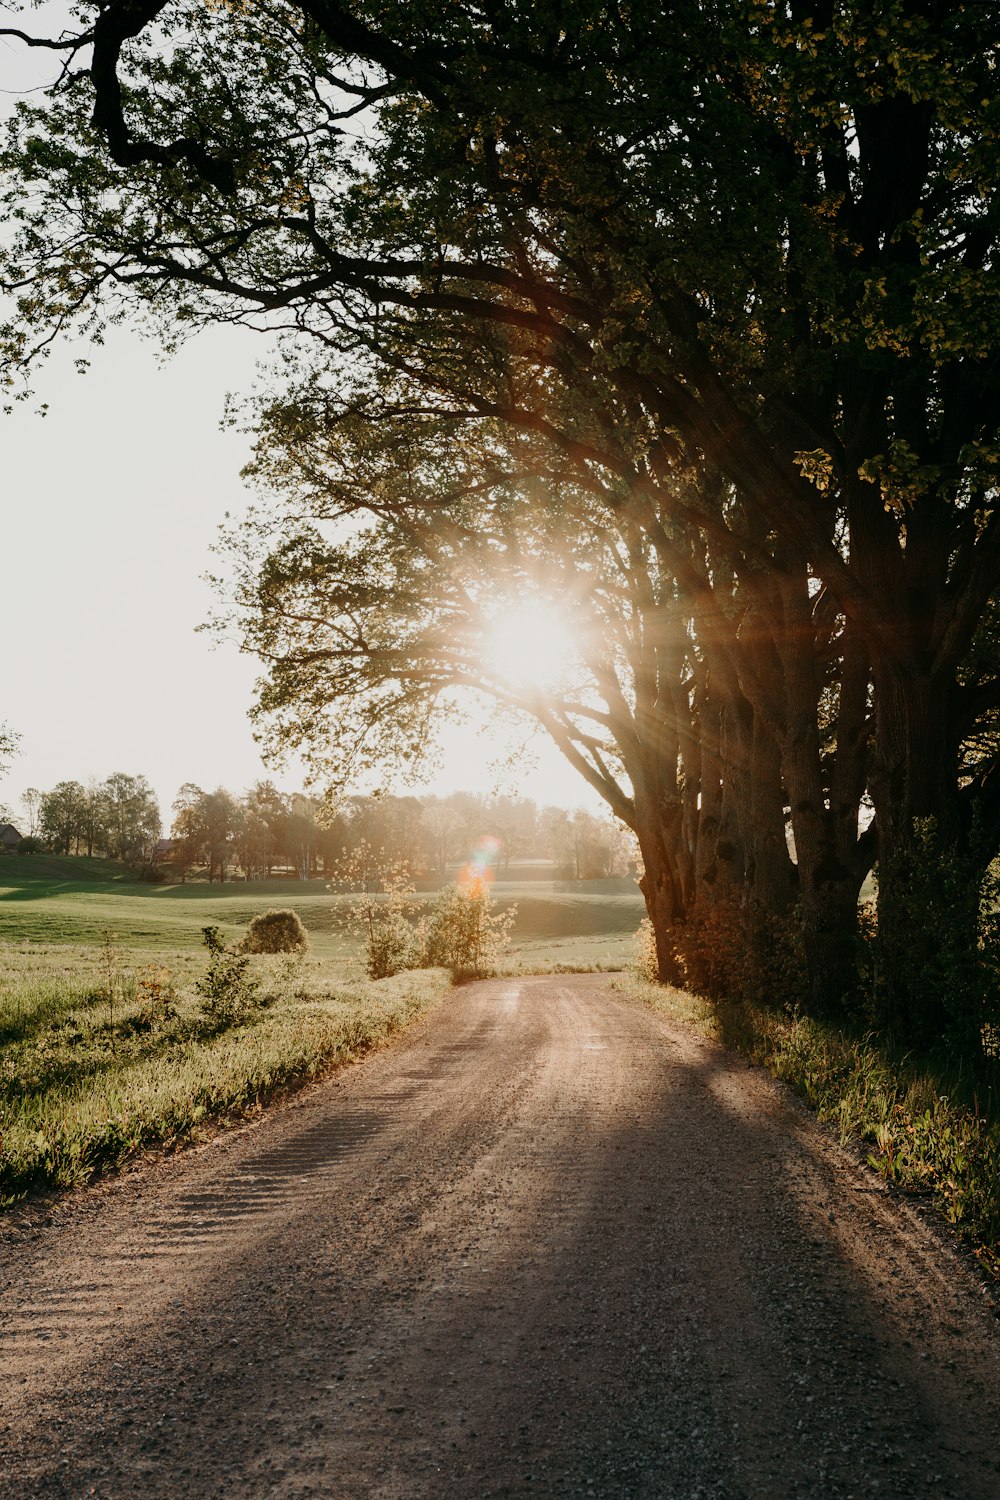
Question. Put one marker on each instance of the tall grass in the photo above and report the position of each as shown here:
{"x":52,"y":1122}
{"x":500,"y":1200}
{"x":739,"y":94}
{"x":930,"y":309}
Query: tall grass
{"x":82,"y":1088}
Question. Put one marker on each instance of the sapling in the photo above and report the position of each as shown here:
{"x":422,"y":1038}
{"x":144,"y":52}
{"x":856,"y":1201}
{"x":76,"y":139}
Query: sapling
{"x":229,"y":991}
{"x":112,"y":975}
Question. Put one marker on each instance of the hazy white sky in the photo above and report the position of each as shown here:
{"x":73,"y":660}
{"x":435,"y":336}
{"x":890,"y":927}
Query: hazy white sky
{"x":108,"y":508}
{"x":110,"y":505}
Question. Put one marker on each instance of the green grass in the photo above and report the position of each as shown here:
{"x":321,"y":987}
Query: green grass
{"x":567,"y":927}
{"x":84,"y":1086}
{"x":62,"y":899}
{"x":928,"y":1128}
{"x":52,"y":899}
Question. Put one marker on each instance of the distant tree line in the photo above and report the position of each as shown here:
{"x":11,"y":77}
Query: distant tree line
{"x":266,"y":831}
{"x":117,"y":818}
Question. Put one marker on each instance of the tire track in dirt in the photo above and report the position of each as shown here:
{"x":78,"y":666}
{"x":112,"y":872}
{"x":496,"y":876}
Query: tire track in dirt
{"x":546,"y":1244}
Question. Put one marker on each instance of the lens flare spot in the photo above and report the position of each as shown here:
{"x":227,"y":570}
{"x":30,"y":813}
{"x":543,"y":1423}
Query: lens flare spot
{"x":480,"y":871}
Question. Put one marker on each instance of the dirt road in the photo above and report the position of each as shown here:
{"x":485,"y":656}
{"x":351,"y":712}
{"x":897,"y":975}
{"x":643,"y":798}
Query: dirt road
{"x":545,"y":1245}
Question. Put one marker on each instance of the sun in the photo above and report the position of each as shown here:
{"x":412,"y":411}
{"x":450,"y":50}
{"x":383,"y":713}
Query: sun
{"x":530,"y":645}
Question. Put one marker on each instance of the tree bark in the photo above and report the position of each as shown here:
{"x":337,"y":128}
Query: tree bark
{"x":928,"y":870}
{"x":657,"y":830}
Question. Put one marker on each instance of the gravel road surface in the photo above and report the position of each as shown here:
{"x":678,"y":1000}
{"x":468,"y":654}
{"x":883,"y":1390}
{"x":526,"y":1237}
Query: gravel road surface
{"x":547,"y":1244}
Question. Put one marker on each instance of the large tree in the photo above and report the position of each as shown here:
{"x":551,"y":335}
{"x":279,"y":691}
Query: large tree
{"x":406,"y":544}
{"x":210,"y":828}
{"x":758,"y":241}
{"x":132,"y":817}
{"x":62,"y":817}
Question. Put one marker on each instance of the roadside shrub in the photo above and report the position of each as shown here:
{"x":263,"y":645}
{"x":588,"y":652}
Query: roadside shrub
{"x":742,"y":953}
{"x":645,"y":962}
{"x":391,"y":942}
{"x":230,"y":992}
{"x":377,"y":914}
{"x":155,"y":996}
{"x":463,"y":933}
{"x":940,"y":898}
{"x":276,"y":931}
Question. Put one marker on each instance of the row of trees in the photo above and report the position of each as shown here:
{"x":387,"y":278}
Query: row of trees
{"x":683,"y":317}
{"x":267,"y":830}
{"x":118,"y":818}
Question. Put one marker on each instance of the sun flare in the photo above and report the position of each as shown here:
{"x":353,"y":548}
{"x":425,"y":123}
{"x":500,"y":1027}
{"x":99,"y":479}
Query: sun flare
{"x":530,"y":645}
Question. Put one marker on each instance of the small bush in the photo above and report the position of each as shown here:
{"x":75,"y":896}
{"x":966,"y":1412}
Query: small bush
{"x":645,"y":961}
{"x":155,"y":996}
{"x":277,"y":931}
{"x":230,"y":993}
{"x":390,"y":943}
{"x":30,"y":845}
{"x":378,"y":911}
{"x":463,"y":933}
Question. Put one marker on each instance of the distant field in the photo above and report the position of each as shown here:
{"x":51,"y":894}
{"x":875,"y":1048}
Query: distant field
{"x":85,"y":1081}
{"x":64,"y":900}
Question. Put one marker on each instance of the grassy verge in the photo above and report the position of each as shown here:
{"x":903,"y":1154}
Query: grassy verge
{"x":85,"y":1083}
{"x":927,"y":1127}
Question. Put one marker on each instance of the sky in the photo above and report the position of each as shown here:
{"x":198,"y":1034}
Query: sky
{"x":110,"y":506}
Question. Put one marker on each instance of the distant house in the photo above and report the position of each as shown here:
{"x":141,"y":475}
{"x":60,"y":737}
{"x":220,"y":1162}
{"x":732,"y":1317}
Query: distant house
{"x":9,"y":838}
{"x":163,"y":850}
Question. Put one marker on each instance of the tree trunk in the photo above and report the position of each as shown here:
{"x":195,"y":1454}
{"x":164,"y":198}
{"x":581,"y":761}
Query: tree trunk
{"x":929,"y":984}
{"x":719,"y":865}
{"x":828,"y":885}
{"x":657,"y":829}
{"x":772,"y":880}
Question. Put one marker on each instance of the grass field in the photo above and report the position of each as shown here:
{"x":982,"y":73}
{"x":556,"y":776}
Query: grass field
{"x":108,"y":1045}
{"x":63,"y":900}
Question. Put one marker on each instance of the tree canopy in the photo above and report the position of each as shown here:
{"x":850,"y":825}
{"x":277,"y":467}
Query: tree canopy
{"x":118,"y":817}
{"x":691,"y":311}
